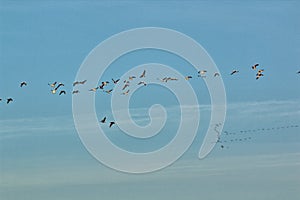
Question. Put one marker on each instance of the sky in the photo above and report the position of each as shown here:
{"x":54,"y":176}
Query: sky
{"x":42,"y":155}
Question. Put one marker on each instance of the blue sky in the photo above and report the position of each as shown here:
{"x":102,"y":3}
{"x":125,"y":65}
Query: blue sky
{"x":41,"y":153}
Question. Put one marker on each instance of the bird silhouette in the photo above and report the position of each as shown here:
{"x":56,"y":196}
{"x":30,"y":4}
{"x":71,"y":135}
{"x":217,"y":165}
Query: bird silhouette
{"x":234,"y":72}
{"x":143,"y":74}
{"x":103,"y":120}
{"x":62,"y":92}
{"x":216,"y":74}
{"x":298,"y":72}
{"x":131,"y":77}
{"x":202,"y":73}
{"x":115,"y":81}
{"x":59,"y":85}
{"x":142,"y":82}
{"x":52,"y":84}
{"x":75,"y":92}
{"x":93,"y":89}
{"x":108,"y":91}
{"x":104,"y":83}
{"x":188,"y":77}
{"x":9,"y":100}
{"x":111,"y":124}
{"x":79,"y":82}
{"x":125,"y":86}
{"x":23,"y":84}
{"x":126,"y":93}
{"x":255,"y":66}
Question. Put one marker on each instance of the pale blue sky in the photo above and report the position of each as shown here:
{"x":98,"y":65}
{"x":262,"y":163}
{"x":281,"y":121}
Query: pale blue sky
{"x":41,"y":154}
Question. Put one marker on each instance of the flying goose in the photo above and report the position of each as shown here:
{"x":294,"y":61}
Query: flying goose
{"x":188,"y":77}
{"x":111,"y":124}
{"x":143,"y":74}
{"x":115,"y":81}
{"x":62,"y":92}
{"x":103,"y":120}
{"x":234,"y":72}
{"x":9,"y":100}
{"x":23,"y":84}
{"x":255,"y":66}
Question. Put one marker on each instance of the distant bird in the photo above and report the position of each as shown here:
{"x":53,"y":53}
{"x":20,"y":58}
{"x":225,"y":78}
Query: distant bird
{"x":234,"y":72}
{"x":126,"y":93}
{"x":143,"y":74}
{"x":93,"y":89}
{"x":59,"y":85}
{"x":131,"y":77}
{"x":53,"y":91}
{"x":9,"y":100}
{"x":142,"y":82}
{"x":108,"y":91}
{"x":255,"y":66}
{"x":103,"y":120}
{"x":125,"y":86}
{"x":23,"y":84}
{"x":202,"y":73}
{"x":0,"y":99}
{"x":111,"y":124}
{"x":62,"y":92}
{"x":222,"y":146}
{"x":104,"y":83}
{"x":216,"y":74}
{"x":260,"y":71}
{"x":188,"y":77}
{"x":79,"y":82}
{"x":298,"y":72}
{"x":115,"y":81}
{"x":258,"y":75}
{"x":52,"y":84}
{"x":75,"y":92}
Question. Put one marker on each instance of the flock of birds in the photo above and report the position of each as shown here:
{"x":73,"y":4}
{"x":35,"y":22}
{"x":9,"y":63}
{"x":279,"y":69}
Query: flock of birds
{"x":58,"y":87}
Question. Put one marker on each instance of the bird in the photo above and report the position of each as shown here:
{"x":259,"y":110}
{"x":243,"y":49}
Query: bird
{"x":188,"y":77}
{"x":9,"y":100}
{"x":234,"y":72}
{"x":298,"y":72}
{"x":142,"y":82}
{"x":108,"y":91}
{"x":23,"y":84}
{"x":0,"y":99}
{"x":125,"y":86}
{"x":53,"y":91}
{"x":75,"y":92}
{"x":111,"y":124}
{"x":143,"y":74}
{"x":115,"y":81}
{"x":62,"y":92}
{"x":59,"y":85}
{"x":125,"y":93}
{"x":52,"y":84}
{"x":131,"y":77}
{"x":104,"y":83}
{"x":79,"y":82}
{"x":216,"y":74}
{"x":103,"y":120}
{"x":202,"y":73}
{"x":255,"y":66}
{"x":260,"y":71}
{"x":258,"y":75}
{"x":93,"y":89}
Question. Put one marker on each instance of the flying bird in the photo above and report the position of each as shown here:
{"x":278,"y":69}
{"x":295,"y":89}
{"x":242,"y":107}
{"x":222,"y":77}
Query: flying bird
{"x":52,"y":84}
{"x":23,"y":84}
{"x":260,"y":71}
{"x":255,"y":66}
{"x":143,"y":74}
{"x":142,"y":82}
{"x":111,"y":124}
{"x":75,"y":92}
{"x":9,"y":100}
{"x":298,"y":72}
{"x":59,"y":85}
{"x":216,"y":74}
{"x":131,"y":77}
{"x":93,"y":89}
{"x":234,"y":72}
{"x":108,"y":91}
{"x":104,"y":83}
{"x":62,"y":92}
{"x":125,"y":93}
{"x":79,"y":82}
{"x":115,"y":81}
{"x":202,"y":73}
{"x":103,"y":120}
{"x":125,"y":86}
{"x":188,"y":77}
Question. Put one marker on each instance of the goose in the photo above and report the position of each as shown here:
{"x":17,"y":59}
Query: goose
{"x":234,"y":72}
{"x":126,"y":93}
{"x":79,"y":82}
{"x":131,"y":77}
{"x":142,"y":82}
{"x":93,"y":89}
{"x":103,"y":120}
{"x":255,"y":66}
{"x":75,"y":92}
{"x":108,"y":91}
{"x":23,"y":84}
{"x":52,"y":84}
{"x":104,"y":83}
{"x":202,"y":73}
{"x":111,"y":124}
{"x":59,"y":85}
{"x":62,"y":92}
{"x":125,"y":86}
{"x":143,"y":74}
{"x":115,"y":81}
{"x":216,"y":74}
{"x":188,"y":77}
{"x":9,"y":100}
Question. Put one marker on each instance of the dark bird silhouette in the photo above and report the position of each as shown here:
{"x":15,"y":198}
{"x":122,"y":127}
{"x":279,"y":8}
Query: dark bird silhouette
{"x":103,"y":120}
{"x":125,"y":93}
{"x":0,"y":99}
{"x":202,"y":73}
{"x":298,"y":72}
{"x":131,"y":77}
{"x":9,"y":100}
{"x":104,"y":83}
{"x":115,"y":81}
{"x":216,"y":74}
{"x":62,"y":92}
{"x":234,"y":72}
{"x":255,"y":66}
{"x":143,"y":74}
{"x":79,"y":82}
{"x":108,"y":91}
{"x":111,"y":124}
{"x":75,"y":92}
{"x":59,"y":85}
{"x":125,"y":86}
{"x":93,"y":89}
{"x":23,"y":84}
{"x":142,"y":82}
